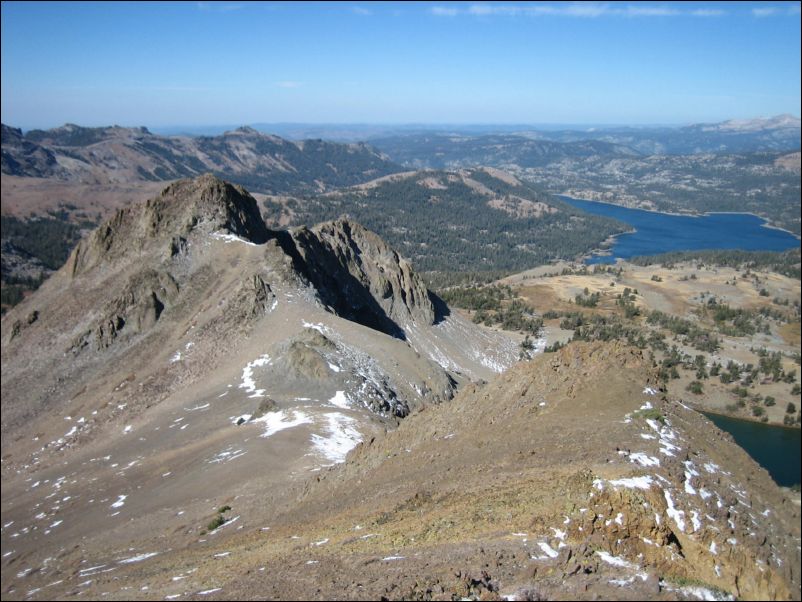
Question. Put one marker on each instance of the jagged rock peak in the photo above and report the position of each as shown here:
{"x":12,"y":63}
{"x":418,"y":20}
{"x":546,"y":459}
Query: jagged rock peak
{"x":244,"y":130}
{"x":10,"y":134}
{"x":204,"y":203}
{"x":360,"y":277}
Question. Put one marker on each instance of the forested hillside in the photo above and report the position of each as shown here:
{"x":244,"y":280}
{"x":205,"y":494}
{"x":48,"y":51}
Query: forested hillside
{"x":474,"y":220}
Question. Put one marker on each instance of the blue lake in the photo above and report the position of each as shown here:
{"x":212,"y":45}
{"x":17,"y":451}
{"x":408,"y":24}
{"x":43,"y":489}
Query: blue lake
{"x":775,"y":448}
{"x":663,"y":232}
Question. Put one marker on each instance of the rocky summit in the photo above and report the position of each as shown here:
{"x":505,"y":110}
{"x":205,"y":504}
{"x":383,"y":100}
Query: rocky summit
{"x":196,"y":405}
{"x":190,"y":346}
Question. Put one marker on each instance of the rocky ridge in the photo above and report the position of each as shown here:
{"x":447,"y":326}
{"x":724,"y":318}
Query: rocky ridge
{"x":543,"y":485}
{"x":119,"y":155}
{"x":20,"y":156}
{"x":186,"y":345}
{"x":144,"y":262}
{"x":145,"y":390}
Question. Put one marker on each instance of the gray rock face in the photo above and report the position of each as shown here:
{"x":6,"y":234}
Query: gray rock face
{"x":361,"y":278}
{"x":204,"y":203}
{"x":23,"y":157}
{"x":139,"y":307}
{"x":351,"y":271}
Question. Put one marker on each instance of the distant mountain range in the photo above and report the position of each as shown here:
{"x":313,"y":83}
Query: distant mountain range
{"x":535,"y":148}
{"x":442,"y":150}
{"x":263,"y":162}
{"x":352,"y":132}
{"x":780,"y":133}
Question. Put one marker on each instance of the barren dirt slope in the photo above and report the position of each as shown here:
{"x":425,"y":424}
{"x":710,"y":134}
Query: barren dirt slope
{"x":186,"y":357}
{"x":568,"y":477}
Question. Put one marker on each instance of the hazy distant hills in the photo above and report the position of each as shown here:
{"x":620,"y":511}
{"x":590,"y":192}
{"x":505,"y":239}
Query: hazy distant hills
{"x":117,"y":155}
{"x":737,"y":165}
{"x":442,"y":150}
{"x":537,"y":147}
{"x":780,"y":133}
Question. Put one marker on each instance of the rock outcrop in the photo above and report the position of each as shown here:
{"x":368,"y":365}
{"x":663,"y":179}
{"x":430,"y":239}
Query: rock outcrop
{"x":569,"y":476}
{"x":361,"y":278}
{"x":206,"y":203}
{"x":23,"y":157}
{"x":186,"y":351}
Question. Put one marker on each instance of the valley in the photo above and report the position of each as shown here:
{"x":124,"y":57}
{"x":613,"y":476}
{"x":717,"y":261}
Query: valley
{"x":256,"y":406}
{"x":697,"y":169}
{"x":400,"y":301}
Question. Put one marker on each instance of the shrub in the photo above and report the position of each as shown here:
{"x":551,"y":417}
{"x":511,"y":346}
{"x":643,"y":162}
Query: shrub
{"x":218,"y":521}
{"x":653,"y":414}
{"x":695,"y":387}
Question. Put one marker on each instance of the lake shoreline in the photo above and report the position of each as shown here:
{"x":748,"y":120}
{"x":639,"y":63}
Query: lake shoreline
{"x":776,"y":450}
{"x":701,"y":410}
{"x":654,"y":232}
{"x":765,"y":223}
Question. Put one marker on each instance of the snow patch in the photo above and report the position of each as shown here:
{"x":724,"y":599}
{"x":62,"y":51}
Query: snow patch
{"x":689,"y":489}
{"x":642,"y":482}
{"x":226,"y":455}
{"x":644,"y":460}
{"x":279,"y":421}
{"x":138,"y":558}
{"x":342,"y":437}
{"x":615,"y":560}
{"x":229,"y":238}
{"x":548,"y":550}
{"x":340,"y":400}
{"x":247,"y":376}
{"x":673,"y":513}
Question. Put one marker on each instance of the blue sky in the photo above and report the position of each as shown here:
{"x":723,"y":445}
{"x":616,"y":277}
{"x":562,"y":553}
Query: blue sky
{"x":208,"y":63}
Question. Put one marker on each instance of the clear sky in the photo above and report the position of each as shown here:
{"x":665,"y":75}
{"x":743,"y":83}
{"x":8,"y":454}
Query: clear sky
{"x":208,"y":63}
